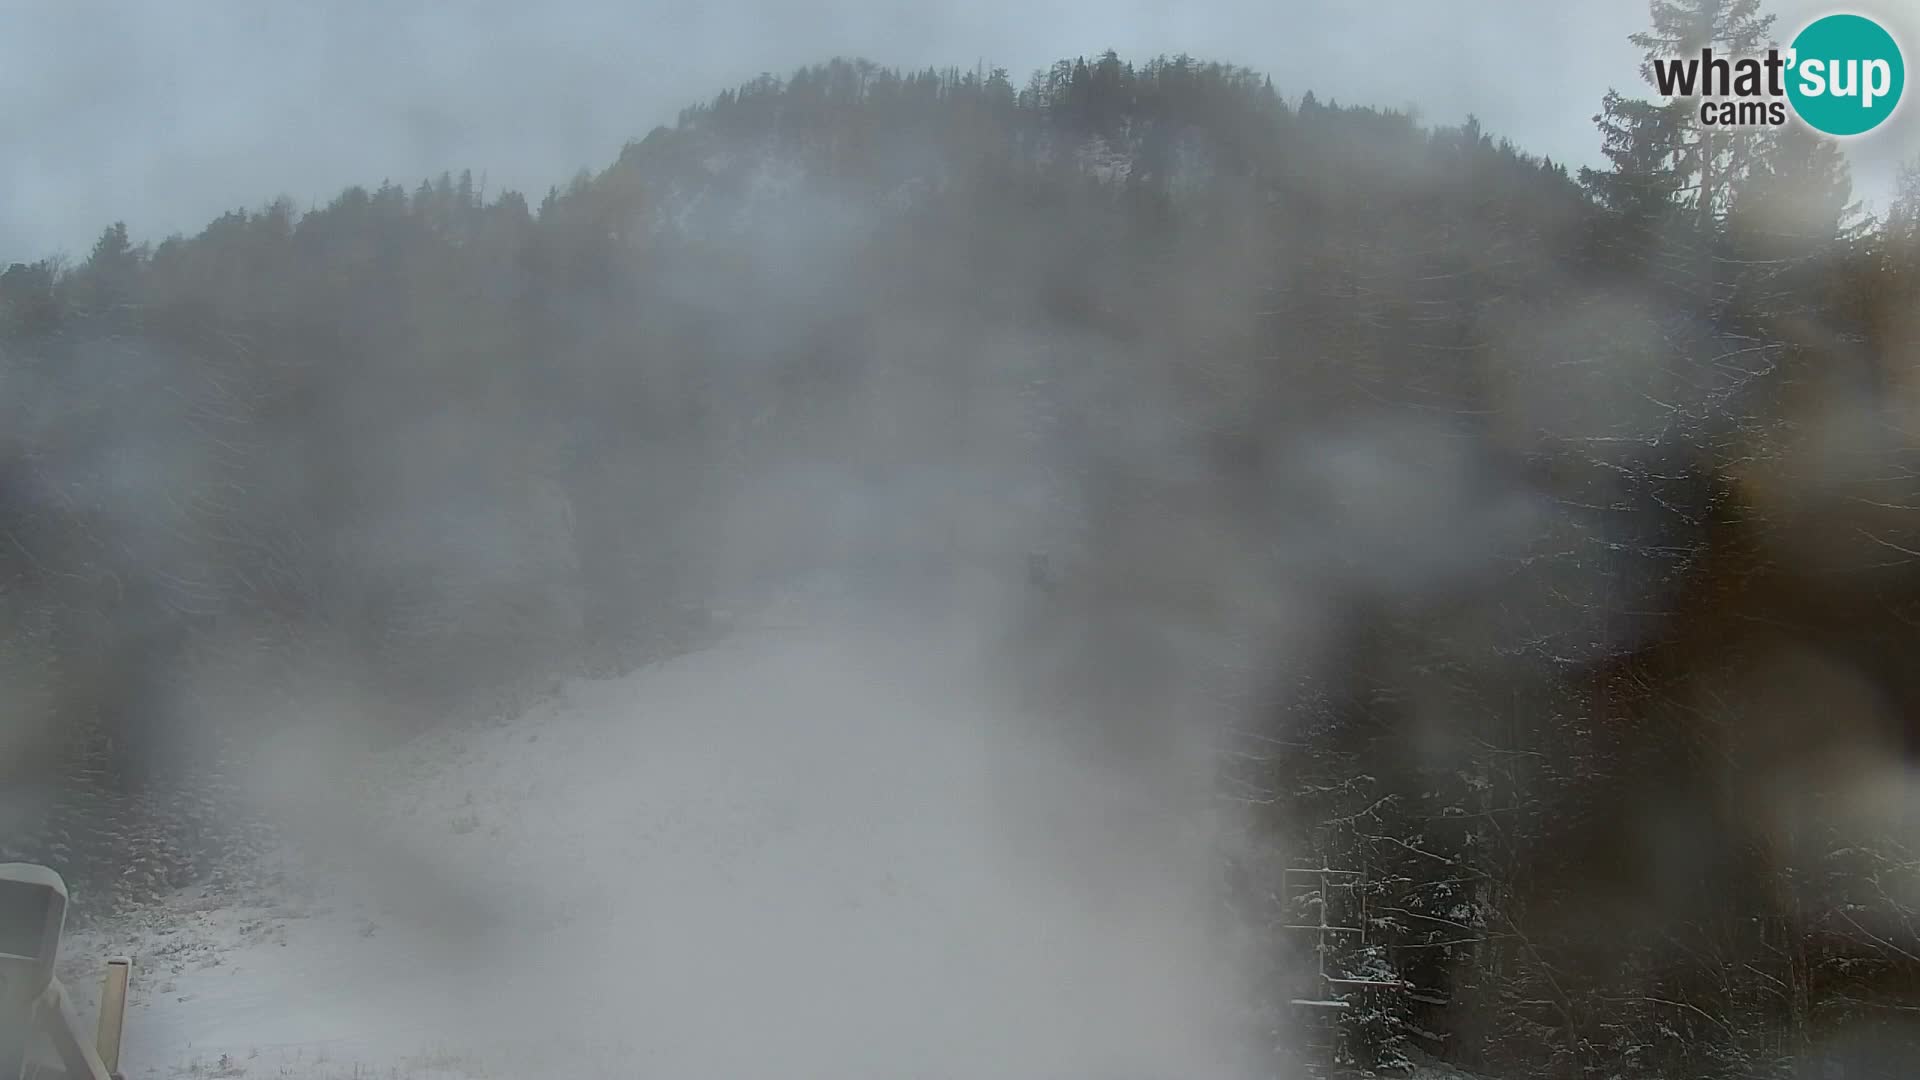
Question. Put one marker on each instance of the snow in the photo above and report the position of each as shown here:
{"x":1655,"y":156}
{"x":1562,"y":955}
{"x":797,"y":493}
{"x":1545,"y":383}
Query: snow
{"x":1433,"y":1070}
{"x":1105,"y":162}
{"x":797,"y":854}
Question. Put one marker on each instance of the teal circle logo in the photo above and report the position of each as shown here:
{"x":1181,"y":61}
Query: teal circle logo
{"x":1846,"y":75}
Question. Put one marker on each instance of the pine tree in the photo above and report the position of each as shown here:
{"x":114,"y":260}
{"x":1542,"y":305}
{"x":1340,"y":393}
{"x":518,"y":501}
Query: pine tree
{"x":1903,"y":217}
{"x":1716,"y":158}
{"x":1798,"y":194}
{"x":29,"y":302}
{"x":1646,"y":144}
{"x":1672,"y":178}
{"x":106,"y":280}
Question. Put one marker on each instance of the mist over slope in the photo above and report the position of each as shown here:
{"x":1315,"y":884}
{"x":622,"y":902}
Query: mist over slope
{"x":828,"y":850}
{"x":1379,"y":493}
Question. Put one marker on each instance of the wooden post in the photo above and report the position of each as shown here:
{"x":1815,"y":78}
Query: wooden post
{"x":113,"y":1012}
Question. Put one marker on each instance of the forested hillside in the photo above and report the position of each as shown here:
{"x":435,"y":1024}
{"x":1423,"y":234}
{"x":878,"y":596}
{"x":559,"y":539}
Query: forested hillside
{"x":1542,"y":545}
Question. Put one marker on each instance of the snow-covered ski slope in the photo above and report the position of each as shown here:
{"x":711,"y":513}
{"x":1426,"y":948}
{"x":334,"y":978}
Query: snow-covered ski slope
{"x":800,"y":853}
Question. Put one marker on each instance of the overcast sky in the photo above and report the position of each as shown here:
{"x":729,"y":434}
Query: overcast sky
{"x":166,"y":113}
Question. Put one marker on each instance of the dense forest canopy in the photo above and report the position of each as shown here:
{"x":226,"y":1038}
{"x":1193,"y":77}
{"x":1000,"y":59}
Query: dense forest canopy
{"x":1550,"y":537}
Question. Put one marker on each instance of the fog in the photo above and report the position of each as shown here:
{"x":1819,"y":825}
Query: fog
{"x":876,"y":823}
{"x":870,"y":602}
{"x":827,"y":853}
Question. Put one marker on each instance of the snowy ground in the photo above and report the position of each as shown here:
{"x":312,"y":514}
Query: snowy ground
{"x":794,"y":855}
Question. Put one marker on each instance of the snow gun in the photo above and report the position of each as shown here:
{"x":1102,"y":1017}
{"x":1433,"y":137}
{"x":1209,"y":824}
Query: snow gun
{"x":38,"y":1024}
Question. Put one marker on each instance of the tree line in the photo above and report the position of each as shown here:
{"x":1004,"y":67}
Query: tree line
{"x":1547,"y":529}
